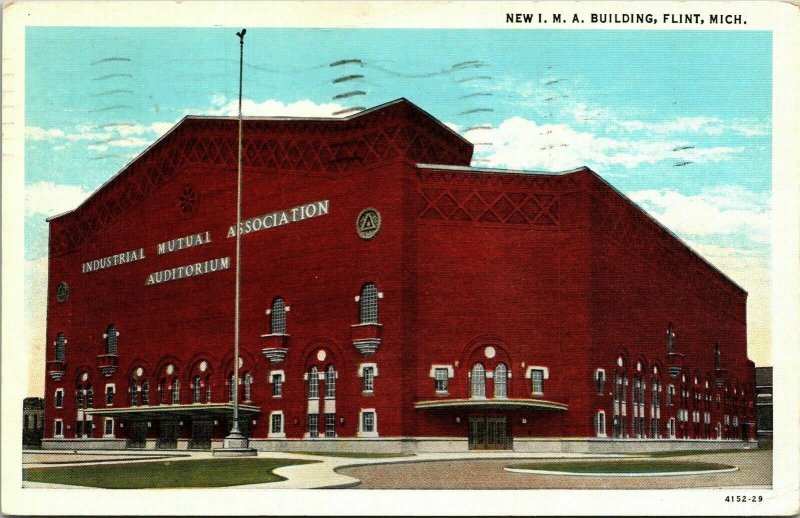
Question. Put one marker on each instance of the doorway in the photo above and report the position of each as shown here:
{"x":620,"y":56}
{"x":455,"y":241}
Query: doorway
{"x":202,"y":430}
{"x":168,"y":437}
{"x":138,"y":434}
{"x":489,"y":432}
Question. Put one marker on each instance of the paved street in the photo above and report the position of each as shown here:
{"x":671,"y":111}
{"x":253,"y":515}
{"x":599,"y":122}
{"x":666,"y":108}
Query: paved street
{"x":755,"y":469}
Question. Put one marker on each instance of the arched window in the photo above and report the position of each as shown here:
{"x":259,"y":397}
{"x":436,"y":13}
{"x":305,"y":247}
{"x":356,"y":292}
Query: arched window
{"x":176,"y":391}
{"x":478,"y":381}
{"x":79,"y":401}
{"x":278,"y":317}
{"x":208,"y":389}
{"x":248,"y":383}
{"x":61,"y":347}
{"x":145,"y":393}
{"x":89,"y":397}
{"x":230,"y":388}
{"x":717,"y":357}
{"x":501,"y":381}
{"x":330,"y":382}
{"x":313,"y":383}
{"x":161,"y":388}
{"x":134,"y":393}
{"x":368,"y":304}
{"x":196,"y":389}
{"x":111,"y":339}
{"x":670,"y":339}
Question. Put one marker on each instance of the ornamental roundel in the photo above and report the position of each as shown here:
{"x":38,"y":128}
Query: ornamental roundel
{"x":187,"y":201}
{"x":62,"y":292}
{"x":368,"y":224}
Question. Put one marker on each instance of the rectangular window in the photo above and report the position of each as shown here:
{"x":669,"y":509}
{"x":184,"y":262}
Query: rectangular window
{"x":277,"y":423}
{"x":59,"y":428}
{"x":313,"y":425}
{"x":59,"y":400}
{"x":109,"y":395}
{"x":79,"y":428}
{"x":670,"y":395}
{"x":277,"y":385}
{"x":109,"y":427}
{"x":89,"y":427}
{"x":313,"y":386}
{"x":600,"y":424}
{"x":79,"y":398}
{"x":537,"y":381}
{"x":440,"y":377}
{"x":369,"y":379}
{"x":368,"y":422}
{"x":330,"y":425}
{"x":601,"y":381}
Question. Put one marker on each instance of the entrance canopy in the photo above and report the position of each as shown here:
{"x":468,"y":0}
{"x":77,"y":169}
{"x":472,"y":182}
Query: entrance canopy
{"x":489,"y":404}
{"x":160,"y":411}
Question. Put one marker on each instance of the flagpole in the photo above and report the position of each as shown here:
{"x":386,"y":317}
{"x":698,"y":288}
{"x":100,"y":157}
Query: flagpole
{"x":235,"y":443}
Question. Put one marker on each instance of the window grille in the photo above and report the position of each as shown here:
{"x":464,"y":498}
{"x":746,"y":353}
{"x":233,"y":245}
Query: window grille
{"x":501,"y":381}
{"x":89,"y":397}
{"x":176,"y":391}
{"x":277,"y":385}
{"x":277,"y":423}
{"x":161,"y":391}
{"x":478,"y":381}
{"x":369,"y":379}
{"x":196,"y":390}
{"x":230,"y":388}
{"x":61,"y":347}
{"x":248,"y":384}
{"x":441,"y":378}
{"x":368,"y":422}
{"x":330,"y":425}
{"x":278,"y":317}
{"x":79,"y":397}
{"x":330,"y":382}
{"x":111,"y":340}
{"x":208,"y":389}
{"x":313,"y":383}
{"x":313,"y":425}
{"x":537,"y":381}
{"x":145,"y":393}
{"x":369,"y":304}
{"x":134,"y":393}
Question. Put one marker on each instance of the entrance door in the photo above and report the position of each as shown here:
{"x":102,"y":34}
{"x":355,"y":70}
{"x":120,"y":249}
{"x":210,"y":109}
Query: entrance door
{"x":488,"y":432}
{"x":168,"y":438}
{"x":201,"y":434}
{"x":138,"y":434}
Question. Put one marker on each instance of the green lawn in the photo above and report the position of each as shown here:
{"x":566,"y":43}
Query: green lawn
{"x":627,"y":466}
{"x":164,"y":474}
{"x":354,"y":455}
{"x":683,"y":453}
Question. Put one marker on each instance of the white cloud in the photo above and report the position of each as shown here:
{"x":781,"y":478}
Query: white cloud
{"x":523,"y":143}
{"x":272,"y":108}
{"x":720,"y":210}
{"x":49,"y":199}
{"x":129,"y":142}
{"x":37,"y":133}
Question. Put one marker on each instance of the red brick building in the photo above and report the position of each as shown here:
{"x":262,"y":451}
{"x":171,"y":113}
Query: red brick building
{"x":435,"y":306}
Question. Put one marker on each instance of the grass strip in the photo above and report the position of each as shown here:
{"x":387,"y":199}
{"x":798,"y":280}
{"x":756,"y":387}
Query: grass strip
{"x":165,"y":474}
{"x":627,"y":466}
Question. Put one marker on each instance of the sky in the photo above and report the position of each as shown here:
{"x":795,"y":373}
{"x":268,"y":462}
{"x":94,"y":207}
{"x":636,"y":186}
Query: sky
{"x":678,"y":121}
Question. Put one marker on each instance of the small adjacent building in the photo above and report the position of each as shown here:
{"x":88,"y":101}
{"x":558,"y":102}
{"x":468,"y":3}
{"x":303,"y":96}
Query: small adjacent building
{"x":32,"y":422}
{"x":393,"y":298}
{"x":764,"y":402}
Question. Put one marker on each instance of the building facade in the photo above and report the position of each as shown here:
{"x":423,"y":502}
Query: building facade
{"x":393,"y":297}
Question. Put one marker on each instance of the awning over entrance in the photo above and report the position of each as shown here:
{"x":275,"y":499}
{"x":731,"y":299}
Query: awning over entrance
{"x":157,"y":411}
{"x":489,"y":404}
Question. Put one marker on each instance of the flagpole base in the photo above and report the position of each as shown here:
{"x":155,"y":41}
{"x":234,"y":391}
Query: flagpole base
{"x":235,"y":445}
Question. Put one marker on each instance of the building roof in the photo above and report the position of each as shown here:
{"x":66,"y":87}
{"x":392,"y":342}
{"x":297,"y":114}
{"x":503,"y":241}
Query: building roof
{"x":763,"y":376}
